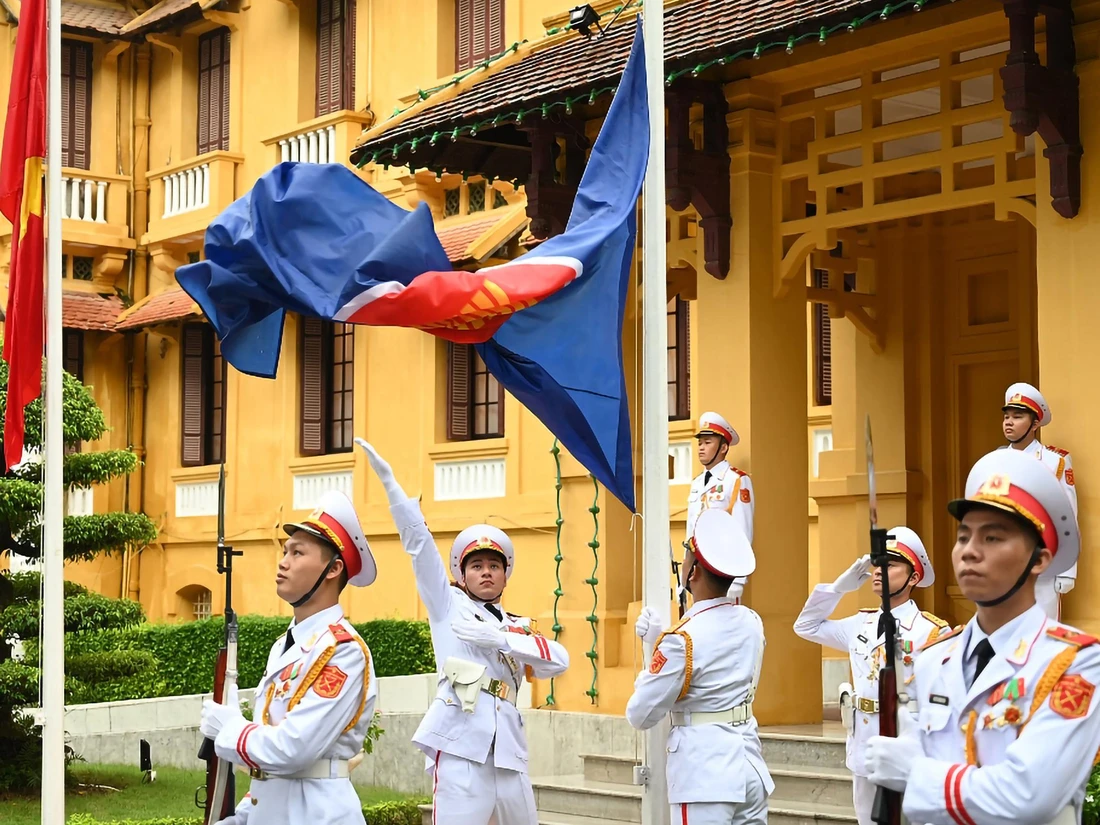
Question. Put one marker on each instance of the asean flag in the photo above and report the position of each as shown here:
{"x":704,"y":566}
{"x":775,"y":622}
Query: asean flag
{"x":317,"y":240}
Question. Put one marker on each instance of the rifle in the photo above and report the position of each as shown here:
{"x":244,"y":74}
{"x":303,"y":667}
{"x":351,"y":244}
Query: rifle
{"x":887,"y":806}
{"x":681,"y":593}
{"x":220,"y":798}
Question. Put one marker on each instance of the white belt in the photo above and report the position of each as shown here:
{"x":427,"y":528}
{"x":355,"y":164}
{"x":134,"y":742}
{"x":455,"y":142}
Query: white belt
{"x":321,"y":769}
{"x":497,"y":688}
{"x":734,"y":716}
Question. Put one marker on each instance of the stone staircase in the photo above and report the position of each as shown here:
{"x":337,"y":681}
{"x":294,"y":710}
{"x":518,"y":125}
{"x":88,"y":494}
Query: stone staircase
{"x":806,"y":762}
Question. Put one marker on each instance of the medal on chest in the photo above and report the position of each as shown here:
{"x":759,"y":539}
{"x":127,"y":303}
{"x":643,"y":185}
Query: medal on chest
{"x":285,"y":679}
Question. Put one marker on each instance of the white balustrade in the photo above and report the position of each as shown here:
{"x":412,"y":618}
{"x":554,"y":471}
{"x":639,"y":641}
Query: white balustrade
{"x":187,"y":190}
{"x":83,"y":199}
{"x":314,"y":146}
{"x":477,"y":478}
{"x":680,"y":451}
{"x":79,"y":502}
{"x":196,"y":498}
{"x":309,"y":487}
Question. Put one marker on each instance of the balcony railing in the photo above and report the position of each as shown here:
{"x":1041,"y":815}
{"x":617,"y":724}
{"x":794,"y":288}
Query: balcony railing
{"x":83,"y":198}
{"x":187,"y":190}
{"x":327,"y":139}
{"x":185,"y":196}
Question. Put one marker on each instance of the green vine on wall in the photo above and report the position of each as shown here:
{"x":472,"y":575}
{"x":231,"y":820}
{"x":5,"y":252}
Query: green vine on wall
{"x":592,"y":581}
{"x":556,"y":452}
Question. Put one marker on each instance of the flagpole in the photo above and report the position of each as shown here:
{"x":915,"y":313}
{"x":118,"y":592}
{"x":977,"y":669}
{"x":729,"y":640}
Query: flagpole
{"x":53,"y":630}
{"x":654,"y":410}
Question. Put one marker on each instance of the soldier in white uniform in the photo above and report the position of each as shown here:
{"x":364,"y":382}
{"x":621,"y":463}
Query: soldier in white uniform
{"x":720,"y":486}
{"x":1005,"y":729}
{"x":472,"y":734}
{"x":704,"y":671}
{"x":1025,"y":411}
{"x":858,"y":635}
{"x":316,"y":698}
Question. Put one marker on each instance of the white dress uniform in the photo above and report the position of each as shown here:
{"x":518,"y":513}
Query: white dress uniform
{"x":704,"y":671}
{"x":723,"y":487}
{"x":478,"y":753}
{"x":1058,"y":461}
{"x":313,"y":705}
{"x":859,"y":636}
{"x":1019,"y":743}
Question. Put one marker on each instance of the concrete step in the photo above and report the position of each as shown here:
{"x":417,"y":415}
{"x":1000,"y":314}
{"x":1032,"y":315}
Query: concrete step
{"x":781,"y":812}
{"x":579,"y":796}
{"x":790,"y":746}
{"x":574,"y":819}
{"x":812,"y":784}
{"x":425,"y":814}
{"x":619,"y":769}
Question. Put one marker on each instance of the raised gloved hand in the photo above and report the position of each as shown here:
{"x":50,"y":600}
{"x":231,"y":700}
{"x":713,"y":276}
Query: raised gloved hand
{"x":1064,"y":584}
{"x":214,"y":715}
{"x":480,"y":634}
{"x":649,"y":625}
{"x":736,"y":591}
{"x":853,"y":578}
{"x":384,"y":472}
{"x":890,"y":760}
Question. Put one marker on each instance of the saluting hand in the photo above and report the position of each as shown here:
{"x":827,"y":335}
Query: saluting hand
{"x":853,"y":578}
{"x":479,"y":634}
{"x":382,"y":469}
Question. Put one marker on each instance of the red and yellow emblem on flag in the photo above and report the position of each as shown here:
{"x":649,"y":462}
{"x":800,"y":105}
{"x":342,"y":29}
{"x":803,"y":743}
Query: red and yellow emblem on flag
{"x":1072,"y":696}
{"x":330,"y":682}
{"x":21,"y":199}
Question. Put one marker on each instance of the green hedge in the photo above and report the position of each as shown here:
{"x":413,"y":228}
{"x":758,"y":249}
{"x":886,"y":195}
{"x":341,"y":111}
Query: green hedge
{"x":406,"y":812}
{"x":185,"y":653}
{"x":1090,"y":813}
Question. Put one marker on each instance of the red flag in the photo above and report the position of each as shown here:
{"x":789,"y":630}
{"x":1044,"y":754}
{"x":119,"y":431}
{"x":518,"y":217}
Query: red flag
{"x":21,"y":199}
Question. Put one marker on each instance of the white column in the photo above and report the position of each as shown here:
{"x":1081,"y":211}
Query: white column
{"x":284,"y":151}
{"x":86,"y":204}
{"x":101,"y":201}
{"x":331,"y":131}
{"x":74,"y":198}
{"x":204,"y":173}
{"x":177,"y":192}
{"x":167,"y":182}
{"x":303,"y":149}
{"x":311,"y":157}
{"x":191,"y":197}
{"x":64,"y":199}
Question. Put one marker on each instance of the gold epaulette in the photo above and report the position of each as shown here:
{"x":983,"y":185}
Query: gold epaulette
{"x":1073,"y":637}
{"x":1058,"y":450}
{"x":940,"y":637}
{"x":739,"y":472}
{"x":934,"y":619}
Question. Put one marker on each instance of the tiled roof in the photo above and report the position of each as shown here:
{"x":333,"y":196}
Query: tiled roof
{"x":476,"y":240}
{"x":550,"y":71}
{"x":86,"y":310}
{"x":170,"y":305}
{"x":94,"y":18}
{"x":161,"y":13}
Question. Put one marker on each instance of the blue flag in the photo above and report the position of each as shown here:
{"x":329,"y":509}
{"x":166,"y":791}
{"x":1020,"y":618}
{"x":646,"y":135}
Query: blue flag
{"x":317,"y":240}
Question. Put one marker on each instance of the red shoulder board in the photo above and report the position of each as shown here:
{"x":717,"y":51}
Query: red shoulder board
{"x":739,"y":472}
{"x":340,"y":633}
{"x":1058,"y":450}
{"x":1072,"y":636}
{"x":950,"y":634}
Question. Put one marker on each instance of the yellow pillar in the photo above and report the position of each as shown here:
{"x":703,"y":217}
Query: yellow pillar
{"x":752,"y":359}
{"x":1069,"y":303}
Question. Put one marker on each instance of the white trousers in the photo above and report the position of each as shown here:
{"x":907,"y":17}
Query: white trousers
{"x":1048,"y":598}
{"x":468,"y":793}
{"x":863,"y":797}
{"x":753,"y":811}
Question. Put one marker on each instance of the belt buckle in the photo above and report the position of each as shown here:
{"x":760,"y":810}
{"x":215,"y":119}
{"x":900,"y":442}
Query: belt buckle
{"x":497,"y":688}
{"x":256,"y":773}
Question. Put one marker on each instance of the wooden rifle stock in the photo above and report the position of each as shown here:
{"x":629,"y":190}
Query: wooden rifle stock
{"x":887,"y":806}
{"x":207,"y":754}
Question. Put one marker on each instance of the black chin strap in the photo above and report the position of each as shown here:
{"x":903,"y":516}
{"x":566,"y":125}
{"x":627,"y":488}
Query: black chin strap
{"x":1020,"y":582}
{"x":313,"y":589}
{"x":1021,"y":438}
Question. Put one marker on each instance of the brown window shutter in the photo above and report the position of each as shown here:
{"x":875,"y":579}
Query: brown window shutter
{"x":458,"y":391}
{"x":335,"y":55}
{"x":314,"y":386}
{"x":213,"y":92}
{"x":464,"y":10}
{"x":81,"y":104}
{"x":216,"y":427}
{"x":193,"y":401}
{"x":822,"y":345}
{"x":67,"y":116}
{"x":347,"y":57}
{"x":73,"y":360}
{"x":683,"y":358}
{"x":324,"y":55}
{"x":494,"y":28}
{"x":479,"y":22}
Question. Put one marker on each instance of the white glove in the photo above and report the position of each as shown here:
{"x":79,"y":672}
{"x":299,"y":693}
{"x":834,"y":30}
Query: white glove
{"x":851,"y":579}
{"x":890,"y":759}
{"x":384,"y":472}
{"x":649,"y":625}
{"x":480,"y":634}
{"x":1064,"y":584}
{"x":214,"y":715}
{"x":736,"y":591}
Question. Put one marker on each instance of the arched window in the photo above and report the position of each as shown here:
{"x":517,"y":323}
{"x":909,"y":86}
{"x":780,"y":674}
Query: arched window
{"x":194,"y":602}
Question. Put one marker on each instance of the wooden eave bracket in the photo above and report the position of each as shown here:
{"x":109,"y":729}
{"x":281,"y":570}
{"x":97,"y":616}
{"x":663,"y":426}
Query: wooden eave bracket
{"x":1045,"y":99}
{"x":701,"y":178}
{"x":550,"y":200}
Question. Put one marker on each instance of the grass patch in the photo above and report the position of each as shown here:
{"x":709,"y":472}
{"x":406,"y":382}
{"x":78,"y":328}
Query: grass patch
{"x":172,"y":795}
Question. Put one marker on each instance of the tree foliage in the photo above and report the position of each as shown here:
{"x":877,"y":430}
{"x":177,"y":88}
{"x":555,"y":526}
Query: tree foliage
{"x":88,"y":674}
